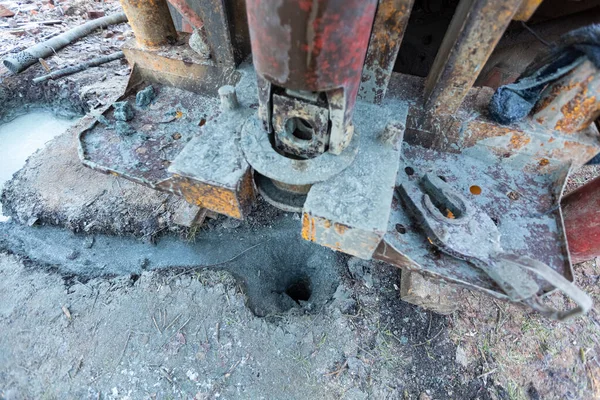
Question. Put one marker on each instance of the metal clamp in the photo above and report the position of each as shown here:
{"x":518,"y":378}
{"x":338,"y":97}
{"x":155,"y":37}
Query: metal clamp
{"x":458,"y":228}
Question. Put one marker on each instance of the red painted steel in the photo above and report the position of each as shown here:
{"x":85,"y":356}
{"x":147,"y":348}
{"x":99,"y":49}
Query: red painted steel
{"x":311,"y":45}
{"x":581,"y":212}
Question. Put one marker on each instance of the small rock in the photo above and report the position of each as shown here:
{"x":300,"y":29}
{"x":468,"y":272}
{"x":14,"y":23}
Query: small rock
{"x":357,"y":368}
{"x":231,"y":223}
{"x":361,"y":270}
{"x":192,"y":375}
{"x":123,"y":111}
{"x":424,"y":396}
{"x":342,"y":299}
{"x":32,"y":221}
{"x":439,"y":297}
{"x":95,"y":14}
{"x":144,"y":97}
{"x":71,"y":10}
{"x":144,"y":263}
{"x":73,"y":255}
{"x":89,"y":242}
{"x":199,"y":45}
{"x":461,"y":357}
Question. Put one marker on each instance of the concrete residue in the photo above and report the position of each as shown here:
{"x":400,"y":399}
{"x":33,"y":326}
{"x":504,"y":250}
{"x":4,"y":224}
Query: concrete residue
{"x":144,"y":97}
{"x":267,"y":260}
{"x":123,"y":111}
{"x":24,"y":135}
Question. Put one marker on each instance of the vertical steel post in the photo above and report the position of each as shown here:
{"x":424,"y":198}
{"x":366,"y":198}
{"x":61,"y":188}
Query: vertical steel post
{"x":151,"y":22}
{"x":476,"y":28}
{"x":390,"y":23}
{"x":581,"y":213}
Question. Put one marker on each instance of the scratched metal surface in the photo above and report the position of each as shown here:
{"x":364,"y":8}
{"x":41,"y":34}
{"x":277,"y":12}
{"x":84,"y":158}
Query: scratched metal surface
{"x":522,"y":203}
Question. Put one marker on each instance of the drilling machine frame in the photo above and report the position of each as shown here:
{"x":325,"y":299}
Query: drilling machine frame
{"x":317,"y":122}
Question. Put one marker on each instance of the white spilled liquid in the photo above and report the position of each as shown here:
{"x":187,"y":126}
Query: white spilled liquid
{"x":22,"y":136}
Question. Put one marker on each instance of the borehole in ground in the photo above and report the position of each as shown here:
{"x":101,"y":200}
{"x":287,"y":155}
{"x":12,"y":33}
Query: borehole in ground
{"x":299,"y":290}
{"x":277,"y":270}
{"x":23,"y":136}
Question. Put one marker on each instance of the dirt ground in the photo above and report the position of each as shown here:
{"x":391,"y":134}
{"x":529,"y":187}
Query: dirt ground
{"x":94,"y":304}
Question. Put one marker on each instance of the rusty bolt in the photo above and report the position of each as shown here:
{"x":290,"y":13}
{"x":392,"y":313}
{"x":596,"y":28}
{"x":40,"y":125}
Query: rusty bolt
{"x":228,"y":97}
{"x":393,"y":133}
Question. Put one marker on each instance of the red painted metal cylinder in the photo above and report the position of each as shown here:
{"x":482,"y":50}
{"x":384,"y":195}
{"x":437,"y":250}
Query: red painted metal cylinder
{"x":581,"y":213}
{"x":314,"y":45}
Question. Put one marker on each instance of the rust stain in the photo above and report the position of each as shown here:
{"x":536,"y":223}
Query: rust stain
{"x":578,"y":113}
{"x":518,"y":140}
{"x":340,"y":228}
{"x":550,"y":97}
{"x":233,"y":203}
{"x":571,"y":104}
{"x":482,"y":129}
{"x":526,"y":10}
{"x":467,"y":46}
{"x":543,"y":162}
{"x":572,"y":150}
{"x":308,"y":228}
{"x":390,"y":23}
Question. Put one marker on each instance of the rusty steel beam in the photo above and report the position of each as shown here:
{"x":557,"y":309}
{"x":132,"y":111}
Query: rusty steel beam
{"x":151,"y":22}
{"x":183,"y":7}
{"x":571,"y":104}
{"x":581,"y":213}
{"x":526,"y":10}
{"x":179,"y":66}
{"x":213,"y":16}
{"x":473,"y":33}
{"x":388,"y":30}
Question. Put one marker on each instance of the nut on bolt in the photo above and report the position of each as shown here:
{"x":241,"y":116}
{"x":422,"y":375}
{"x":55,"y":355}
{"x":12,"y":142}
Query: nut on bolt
{"x":228,"y":97}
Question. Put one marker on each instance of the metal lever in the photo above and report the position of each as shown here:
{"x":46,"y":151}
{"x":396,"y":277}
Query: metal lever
{"x":459,"y":229}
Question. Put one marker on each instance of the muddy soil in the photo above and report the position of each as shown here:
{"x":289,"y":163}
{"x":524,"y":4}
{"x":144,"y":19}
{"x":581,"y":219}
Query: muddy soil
{"x":103,"y":297}
{"x":167,"y":335}
{"x":69,"y":96}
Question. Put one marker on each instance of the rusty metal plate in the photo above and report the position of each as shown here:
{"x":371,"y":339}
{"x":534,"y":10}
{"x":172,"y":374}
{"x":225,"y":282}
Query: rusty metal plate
{"x":159,"y":133}
{"x":521,"y":199}
{"x":180,"y":66}
{"x":166,"y":146}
